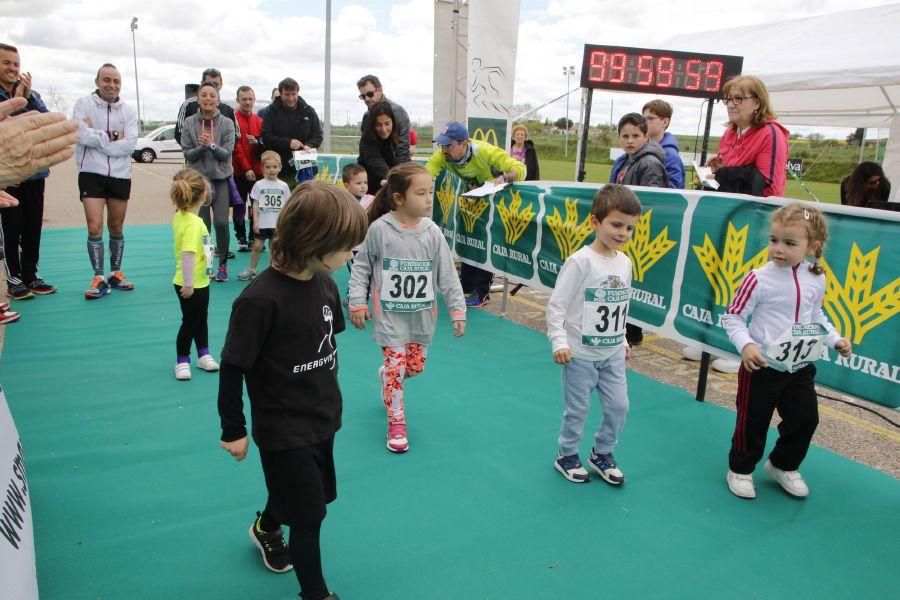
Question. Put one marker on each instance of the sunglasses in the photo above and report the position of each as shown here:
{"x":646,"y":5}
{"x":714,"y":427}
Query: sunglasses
{"x":367,"y":95}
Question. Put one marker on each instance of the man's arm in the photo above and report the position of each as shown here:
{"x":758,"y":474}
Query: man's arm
{"x":124,"y":146}
{"x":436,"y":163}
{"x":188,"y":107}
{"x":270,"y":138}
{"x":315,"y":128}
{"x":403,"y":131}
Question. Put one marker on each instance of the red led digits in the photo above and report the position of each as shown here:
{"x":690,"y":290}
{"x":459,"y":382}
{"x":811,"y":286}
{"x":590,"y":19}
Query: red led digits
{"x":598,"y":57}
{"x":693,"y":71}
{"x":645,"y":68}
{"x":617,"y":63}
{"x":714,"y":71}
{"x":665,"y":70}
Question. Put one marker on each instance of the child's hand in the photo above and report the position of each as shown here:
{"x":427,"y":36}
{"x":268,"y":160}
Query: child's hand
{"x":562,"y":356}
{"x":237,"y":448}
{"x":627,"y":352}
{"x":255,"y":227}
{"x":359,"y":318}
{"x":753,"y":358}
{"x":187,"y":291}
{"x":459,"y":328}
{"x":844,"y":347}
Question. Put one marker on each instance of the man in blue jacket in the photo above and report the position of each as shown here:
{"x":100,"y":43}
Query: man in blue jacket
{"x":22,"y":224}
{"x":658,"y":114}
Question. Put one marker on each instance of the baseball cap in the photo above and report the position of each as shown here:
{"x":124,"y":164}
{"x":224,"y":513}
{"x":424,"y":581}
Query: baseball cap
{"x":454,"y":131}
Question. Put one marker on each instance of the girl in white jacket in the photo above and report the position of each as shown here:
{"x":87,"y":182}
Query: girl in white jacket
{"x":785,"y":336}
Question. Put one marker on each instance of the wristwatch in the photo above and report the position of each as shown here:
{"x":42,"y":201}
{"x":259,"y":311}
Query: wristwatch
{"x":212,"y":147}
{"x":115,"y":135}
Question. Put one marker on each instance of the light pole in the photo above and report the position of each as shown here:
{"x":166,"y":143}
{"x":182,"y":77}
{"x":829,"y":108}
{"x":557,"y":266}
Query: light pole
{"x":137,"y":88}
{"x":568,"y":72}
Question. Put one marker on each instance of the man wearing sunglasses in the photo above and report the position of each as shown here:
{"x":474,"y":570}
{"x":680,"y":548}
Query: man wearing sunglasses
{"x":371,"y":93}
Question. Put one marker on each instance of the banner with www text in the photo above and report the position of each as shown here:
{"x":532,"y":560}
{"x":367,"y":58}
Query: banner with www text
{"x":689,"y":254}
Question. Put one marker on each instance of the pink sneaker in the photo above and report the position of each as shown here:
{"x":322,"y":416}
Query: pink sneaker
{"x":396,"y":439}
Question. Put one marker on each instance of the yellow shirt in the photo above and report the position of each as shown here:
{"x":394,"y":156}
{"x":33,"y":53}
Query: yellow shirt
{"x":191,"y":235}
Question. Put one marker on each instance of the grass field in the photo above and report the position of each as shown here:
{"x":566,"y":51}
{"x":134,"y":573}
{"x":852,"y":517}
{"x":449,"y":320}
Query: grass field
{"x":559,"y":170}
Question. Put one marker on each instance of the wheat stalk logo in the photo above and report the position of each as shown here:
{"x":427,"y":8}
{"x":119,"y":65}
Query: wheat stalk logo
{"x":446,"y":197}
{"x":726,"y":272}
{"x":569,"y":234}
{"x":852,"y":306}
{"x":515,"y":219}
{"x":324,"y":175}
{"x":471,"y":210}
{"x":644,"y":253}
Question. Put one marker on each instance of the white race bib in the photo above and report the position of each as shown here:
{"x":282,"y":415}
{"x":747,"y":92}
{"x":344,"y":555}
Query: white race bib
{"x":605,"y":311}
{"x":797,"y":347}
{"x":406,"y":285}
{"x":209,"y":252}
{"x":270,"y":201}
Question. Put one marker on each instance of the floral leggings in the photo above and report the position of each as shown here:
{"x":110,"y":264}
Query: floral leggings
{"x":400,"y":362}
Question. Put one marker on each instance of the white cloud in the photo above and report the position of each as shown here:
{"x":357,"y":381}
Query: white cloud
{"x":65,"y":41}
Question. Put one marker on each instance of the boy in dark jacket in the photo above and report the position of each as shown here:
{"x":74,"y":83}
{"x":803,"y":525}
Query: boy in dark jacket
{"x":645,"y":166}
{"x":645,"y":162}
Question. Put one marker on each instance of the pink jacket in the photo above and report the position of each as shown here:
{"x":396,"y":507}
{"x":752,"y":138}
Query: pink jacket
{"x":765,"y":147}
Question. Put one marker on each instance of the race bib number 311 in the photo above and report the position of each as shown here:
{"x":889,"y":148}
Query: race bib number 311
{"x":605,"y":311}
{"x":406,"y":285}
{"x":798,"y":346}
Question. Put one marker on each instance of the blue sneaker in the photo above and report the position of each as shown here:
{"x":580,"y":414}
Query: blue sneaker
{"x":474,"y":301}
{"x":571,"y":468}
{"x":605,"y":466}
{"x":222,"y":273}
{"x":97,"y":289}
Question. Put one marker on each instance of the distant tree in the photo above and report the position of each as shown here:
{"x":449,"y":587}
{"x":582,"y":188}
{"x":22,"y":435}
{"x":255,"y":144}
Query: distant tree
{"x":56,"y":100}
{"x":547,"y":122}
{"x":815,"y":137}
{"x":561,"y":123}
{"x":855,"y":138}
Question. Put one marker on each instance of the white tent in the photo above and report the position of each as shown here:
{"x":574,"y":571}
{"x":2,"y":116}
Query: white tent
{"x":836,"y":70}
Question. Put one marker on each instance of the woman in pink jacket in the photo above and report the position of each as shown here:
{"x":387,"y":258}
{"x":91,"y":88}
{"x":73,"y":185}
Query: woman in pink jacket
{"x":753,"y":152}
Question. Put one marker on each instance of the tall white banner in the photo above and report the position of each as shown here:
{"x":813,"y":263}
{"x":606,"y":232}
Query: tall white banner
{"x":18,"y":576}
{"x":450,"y":46}
{"x":493,"y":38}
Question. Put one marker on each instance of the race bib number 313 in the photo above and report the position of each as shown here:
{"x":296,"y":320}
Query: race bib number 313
{"x":605,"y":311}
{"x":406,"y":285}
{"x":798,"y":346}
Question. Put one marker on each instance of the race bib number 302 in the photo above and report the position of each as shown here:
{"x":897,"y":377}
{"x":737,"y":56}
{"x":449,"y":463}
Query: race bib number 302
{"x":406,"y":285}
{"x":797,"y":347}
{"x":605,"y":311}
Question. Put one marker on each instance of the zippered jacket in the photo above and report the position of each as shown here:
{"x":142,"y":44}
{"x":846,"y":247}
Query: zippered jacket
{"x":96,"y":152}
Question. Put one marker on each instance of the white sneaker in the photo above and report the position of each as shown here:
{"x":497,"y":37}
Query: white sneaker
{"x":182,"y":371}
{"x":741,"y":485}
{"x":726,"y":365}
{"x":691,"y":353}
{"x":791,"y":481}
{"x":207,"y":363}
{"x":246,"y":274}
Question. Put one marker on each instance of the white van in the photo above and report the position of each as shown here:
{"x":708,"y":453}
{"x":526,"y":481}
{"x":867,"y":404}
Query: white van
{"x":159,"y":143}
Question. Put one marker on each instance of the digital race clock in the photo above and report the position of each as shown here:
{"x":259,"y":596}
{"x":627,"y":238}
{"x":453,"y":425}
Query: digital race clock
{"x":657,"y":71}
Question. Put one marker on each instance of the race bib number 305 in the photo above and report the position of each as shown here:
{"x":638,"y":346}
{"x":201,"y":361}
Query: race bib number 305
{"x":270,"y":201}
{"x":797,"y":347}
{"x":605,"y":311}
{"x":406,"y":285}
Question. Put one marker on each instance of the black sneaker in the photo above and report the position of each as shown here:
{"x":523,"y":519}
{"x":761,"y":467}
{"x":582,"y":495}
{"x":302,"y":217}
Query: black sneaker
{"x":19,"y":291}
{"x":274,"y":550}
{"x":41,"y":287}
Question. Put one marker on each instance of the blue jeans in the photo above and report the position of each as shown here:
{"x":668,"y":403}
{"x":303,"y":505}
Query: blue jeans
{"x":580,"y":378}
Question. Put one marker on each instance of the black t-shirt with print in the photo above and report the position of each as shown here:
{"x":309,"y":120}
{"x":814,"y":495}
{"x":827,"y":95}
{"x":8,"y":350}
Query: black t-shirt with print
{"x":282,"y":336}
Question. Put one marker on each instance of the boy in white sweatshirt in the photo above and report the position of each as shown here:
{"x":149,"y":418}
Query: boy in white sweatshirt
{"x":586,"y":326}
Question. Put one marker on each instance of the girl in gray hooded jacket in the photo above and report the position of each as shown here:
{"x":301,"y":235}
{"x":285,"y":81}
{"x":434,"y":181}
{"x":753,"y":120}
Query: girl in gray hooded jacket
{"x":401,"y":264}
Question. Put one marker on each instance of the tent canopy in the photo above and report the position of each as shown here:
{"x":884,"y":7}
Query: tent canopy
{"x":836,"y":70}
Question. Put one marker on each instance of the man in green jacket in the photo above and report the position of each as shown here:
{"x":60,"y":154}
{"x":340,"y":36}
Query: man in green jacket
{"x":475,"y":162}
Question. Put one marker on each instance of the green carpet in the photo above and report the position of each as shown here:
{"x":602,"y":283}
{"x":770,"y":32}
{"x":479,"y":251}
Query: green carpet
{"x":133,"y":498}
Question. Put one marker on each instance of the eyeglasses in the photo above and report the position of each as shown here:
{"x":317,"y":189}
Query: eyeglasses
{"x":365,"y":95}
{"x":735,"y":100}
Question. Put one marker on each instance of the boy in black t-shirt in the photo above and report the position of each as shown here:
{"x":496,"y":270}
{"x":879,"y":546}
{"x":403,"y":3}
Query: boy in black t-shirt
{"x":281,"y":340}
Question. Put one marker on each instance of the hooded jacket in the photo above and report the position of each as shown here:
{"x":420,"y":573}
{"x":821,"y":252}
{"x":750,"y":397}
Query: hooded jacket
{"x":213,"y":163}
{"x":645,"y":168}
{"x":96,"y":152}
{"x":282,"y":124}
{"x":388,"y":238}
{"x":765,"y":148}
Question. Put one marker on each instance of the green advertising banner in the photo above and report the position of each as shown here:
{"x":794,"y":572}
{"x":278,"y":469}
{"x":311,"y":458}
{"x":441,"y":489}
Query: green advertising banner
{"x":689,"y":253}
{"x":328,"y":168}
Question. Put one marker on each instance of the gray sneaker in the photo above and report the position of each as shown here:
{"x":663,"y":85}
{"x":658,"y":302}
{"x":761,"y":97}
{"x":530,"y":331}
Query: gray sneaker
{"x":246,"y":274}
